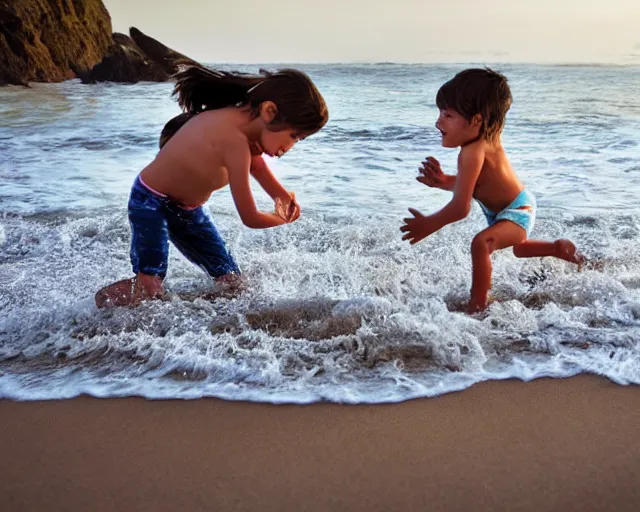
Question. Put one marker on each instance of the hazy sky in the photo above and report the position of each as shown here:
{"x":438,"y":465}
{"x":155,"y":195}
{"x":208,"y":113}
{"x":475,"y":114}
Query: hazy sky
{"x":254,"y":31}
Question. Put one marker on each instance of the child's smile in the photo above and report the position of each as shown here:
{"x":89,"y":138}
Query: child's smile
{"x":454,"y":128}
{"x":281,"y":142}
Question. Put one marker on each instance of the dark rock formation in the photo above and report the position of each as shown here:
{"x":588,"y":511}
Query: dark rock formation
{"x":137,"y":58}
{"x":51,"y":40}
{"x":165,"y":57}
{"x":125,"y":62}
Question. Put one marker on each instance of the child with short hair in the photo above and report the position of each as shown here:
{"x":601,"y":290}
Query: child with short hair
{"x":473,"y":106}
{"x":230,"y":120}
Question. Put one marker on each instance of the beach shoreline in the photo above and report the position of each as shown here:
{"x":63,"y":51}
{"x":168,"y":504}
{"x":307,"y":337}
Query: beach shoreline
{"x":549,"y":444}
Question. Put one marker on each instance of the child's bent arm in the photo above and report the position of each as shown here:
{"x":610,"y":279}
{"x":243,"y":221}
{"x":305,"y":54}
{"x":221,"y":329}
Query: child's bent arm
{"x":263,"y":175}
{"x":470,"y":163}
{"x":431,"y":175}
{"x":447,"y":181}
{"x":238,"y":162}
{"x":469,"y":166}
{"x":450,"y":182}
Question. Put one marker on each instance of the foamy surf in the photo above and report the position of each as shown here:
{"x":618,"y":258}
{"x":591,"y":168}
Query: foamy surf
{"x":346,"y":315}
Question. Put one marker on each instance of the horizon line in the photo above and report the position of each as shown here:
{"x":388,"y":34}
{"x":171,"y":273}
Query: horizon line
{"x":431,"y":63}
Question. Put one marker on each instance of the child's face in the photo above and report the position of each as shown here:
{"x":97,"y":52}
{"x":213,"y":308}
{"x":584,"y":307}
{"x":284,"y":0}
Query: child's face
{"x":274,"y":142}
{"x":277,"y":143}
{"x":455,"y":129}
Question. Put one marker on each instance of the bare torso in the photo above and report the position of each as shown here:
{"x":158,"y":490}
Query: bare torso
{"x":190,"y":167}
{"x":497,"y":185}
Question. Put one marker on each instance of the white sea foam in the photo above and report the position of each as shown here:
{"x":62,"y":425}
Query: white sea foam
{"x":363,"y":319}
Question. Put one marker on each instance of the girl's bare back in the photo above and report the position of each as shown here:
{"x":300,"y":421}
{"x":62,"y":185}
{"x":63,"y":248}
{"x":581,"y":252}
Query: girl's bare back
{"x":191,"y":165}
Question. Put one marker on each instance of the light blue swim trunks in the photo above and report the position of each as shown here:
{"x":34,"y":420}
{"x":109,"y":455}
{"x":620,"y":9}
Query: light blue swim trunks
{"x":516,"y":212}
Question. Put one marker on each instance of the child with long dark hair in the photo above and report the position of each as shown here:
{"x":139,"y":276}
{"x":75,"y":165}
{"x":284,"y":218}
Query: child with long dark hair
{"x":229,"y":121}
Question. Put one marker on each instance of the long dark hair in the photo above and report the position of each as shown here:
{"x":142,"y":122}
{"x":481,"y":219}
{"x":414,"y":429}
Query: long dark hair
{"x":301,"y":107}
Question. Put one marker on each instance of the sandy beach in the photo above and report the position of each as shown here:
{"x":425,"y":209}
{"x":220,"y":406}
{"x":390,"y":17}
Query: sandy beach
{"x":547,"y":445}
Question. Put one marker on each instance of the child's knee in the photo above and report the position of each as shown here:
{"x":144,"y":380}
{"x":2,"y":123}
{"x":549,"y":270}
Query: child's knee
{"x":481,"y":244}
{"x":518,"y":250}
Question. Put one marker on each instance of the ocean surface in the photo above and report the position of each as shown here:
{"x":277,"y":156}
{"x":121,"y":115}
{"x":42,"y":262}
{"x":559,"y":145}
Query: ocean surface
{"x":339,"y":308}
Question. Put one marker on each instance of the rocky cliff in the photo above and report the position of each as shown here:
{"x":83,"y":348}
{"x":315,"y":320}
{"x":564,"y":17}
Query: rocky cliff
{"x":51,"y":40}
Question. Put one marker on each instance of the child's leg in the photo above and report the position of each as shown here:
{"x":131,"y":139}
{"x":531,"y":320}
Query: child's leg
{"x":149,"y":252}
{"x":195,"y":236}
{"x":563,"y":249}
{"x":499,"y":236}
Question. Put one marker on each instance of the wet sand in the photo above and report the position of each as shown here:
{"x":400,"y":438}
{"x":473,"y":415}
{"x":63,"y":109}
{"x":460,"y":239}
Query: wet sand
{"x":546,"y":445}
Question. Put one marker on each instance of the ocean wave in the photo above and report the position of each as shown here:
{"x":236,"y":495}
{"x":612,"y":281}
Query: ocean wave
{"x":347,"y":315}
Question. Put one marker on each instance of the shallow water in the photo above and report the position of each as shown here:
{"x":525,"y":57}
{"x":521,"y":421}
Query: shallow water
{"x":339,"y":308}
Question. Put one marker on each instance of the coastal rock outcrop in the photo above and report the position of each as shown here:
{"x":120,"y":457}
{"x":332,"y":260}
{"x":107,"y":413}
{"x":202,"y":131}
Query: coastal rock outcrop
{"x":51,"y":40}
{"x":125,"y":62}
{"x":162,"y":55}
{"x":136,"y":58}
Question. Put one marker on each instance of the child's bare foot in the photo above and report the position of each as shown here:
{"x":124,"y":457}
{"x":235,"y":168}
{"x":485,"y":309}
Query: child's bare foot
{"x":129,"y":292}
{"x":232,"y":281}
{"x":117,"y":294}
{"x":476,"y":306}
{"x":567,"y":250}
{"x":147,"y":287}
{"x":228,"y":287}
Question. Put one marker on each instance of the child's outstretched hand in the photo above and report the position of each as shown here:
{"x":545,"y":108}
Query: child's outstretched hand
{"x":431,"y":173}
{"x":418,"y":227}
{"x":287,"y":208}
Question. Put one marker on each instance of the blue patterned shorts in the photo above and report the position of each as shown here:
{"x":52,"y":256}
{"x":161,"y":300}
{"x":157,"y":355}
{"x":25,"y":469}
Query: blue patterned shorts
{"x":156,"y":219}
{"x":516,"y":212}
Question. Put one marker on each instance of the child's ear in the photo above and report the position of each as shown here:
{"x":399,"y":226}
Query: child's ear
{"x":476,"y":121}
{"x":268,"y":111}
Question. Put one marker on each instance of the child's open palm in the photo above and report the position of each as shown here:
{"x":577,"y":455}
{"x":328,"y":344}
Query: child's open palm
{"x":418,"y":227}
{"x":431,"y":173}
